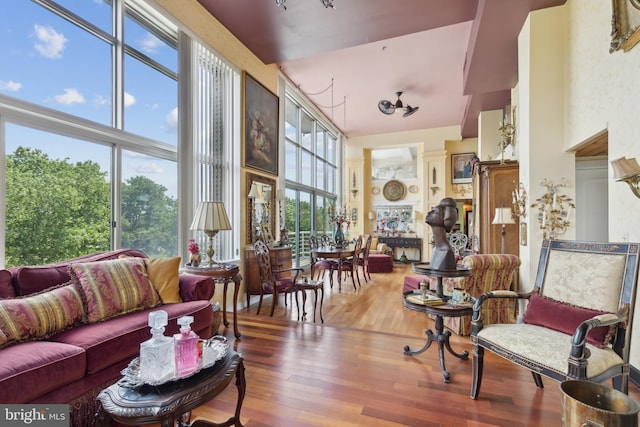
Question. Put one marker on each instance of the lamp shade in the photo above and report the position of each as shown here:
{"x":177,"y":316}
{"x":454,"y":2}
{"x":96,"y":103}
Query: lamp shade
{"x":503,"y":216}
{"x":254,"y":193}
{"x":211,"y":216}
{"x":624,"y":168}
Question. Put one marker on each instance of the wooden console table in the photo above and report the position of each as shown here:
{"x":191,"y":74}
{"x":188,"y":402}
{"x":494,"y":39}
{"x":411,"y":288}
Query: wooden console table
{"x":167,"y":403}
{"x":403,"y":242}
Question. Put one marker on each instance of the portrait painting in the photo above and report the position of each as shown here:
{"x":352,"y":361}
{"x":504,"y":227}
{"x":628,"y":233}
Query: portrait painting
{"x":461,"y":168}
{"x":260,"y":126}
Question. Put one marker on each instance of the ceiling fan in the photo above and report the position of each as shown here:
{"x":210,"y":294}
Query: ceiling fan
{"x":388,"y":107}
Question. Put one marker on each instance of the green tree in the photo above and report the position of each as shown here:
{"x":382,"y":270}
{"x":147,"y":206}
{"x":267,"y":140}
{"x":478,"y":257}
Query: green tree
{"x":55,"y":209}
{"x":149,"y":218}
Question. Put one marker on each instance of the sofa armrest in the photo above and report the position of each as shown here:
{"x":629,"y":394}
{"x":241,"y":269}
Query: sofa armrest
{"x":193,"y":287}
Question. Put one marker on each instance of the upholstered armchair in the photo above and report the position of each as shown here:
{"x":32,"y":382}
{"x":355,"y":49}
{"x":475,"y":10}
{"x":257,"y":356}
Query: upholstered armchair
{"x":379,"y":248}
{"x":577,"y":321}
{"x":489,"y":272}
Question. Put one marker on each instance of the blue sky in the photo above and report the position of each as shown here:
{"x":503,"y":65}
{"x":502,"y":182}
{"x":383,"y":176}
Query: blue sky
{"x":51,"y":62}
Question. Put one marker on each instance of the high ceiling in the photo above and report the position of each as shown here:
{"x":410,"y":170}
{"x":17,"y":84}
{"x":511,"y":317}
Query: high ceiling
{"x":451,"y":61}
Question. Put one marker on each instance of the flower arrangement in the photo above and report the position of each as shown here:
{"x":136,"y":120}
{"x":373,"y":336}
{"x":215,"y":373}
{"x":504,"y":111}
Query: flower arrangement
{"x":193,"y":247}
{"x":339,"y":216}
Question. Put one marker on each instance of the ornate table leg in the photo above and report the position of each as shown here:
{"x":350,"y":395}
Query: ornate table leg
{"x":442,"y":338}
{"x":236,"y":290}
{"x":235,"y":420}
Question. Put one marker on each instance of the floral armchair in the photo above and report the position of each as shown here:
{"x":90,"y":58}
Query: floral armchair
{"x":577,"y":324}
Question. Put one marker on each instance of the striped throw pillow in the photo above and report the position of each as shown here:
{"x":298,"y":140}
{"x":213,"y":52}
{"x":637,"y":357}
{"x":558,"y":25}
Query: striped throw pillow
{"x":40,"y":315}
{"x":114,"y":287}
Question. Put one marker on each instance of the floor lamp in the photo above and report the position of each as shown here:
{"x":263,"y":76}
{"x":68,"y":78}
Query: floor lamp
{"x":503,"y":216}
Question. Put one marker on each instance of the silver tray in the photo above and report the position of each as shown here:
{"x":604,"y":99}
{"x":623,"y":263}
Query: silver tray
{"x":213,"y":349}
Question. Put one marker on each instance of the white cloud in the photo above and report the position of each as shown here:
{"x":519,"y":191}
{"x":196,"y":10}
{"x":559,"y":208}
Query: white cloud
{"x":100,"y":100}
{"x":150,"y":43}
{"x":129,"y":99}
{"x":50,"y":43}
{"x":147,"y":168}
{"x":10,"y":86}
{"x":71,"y":96}
{"x":171,"y":120}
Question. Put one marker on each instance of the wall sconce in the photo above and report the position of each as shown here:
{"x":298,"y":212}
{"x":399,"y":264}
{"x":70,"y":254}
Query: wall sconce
{"x":627,"y":170}
{"x":462,"y":189}
{"x":553,"y":210}
{"x":507,"y":131}
{"x":503,"y":216}
{"x":354,"y":190}
{"x":520,"y":201}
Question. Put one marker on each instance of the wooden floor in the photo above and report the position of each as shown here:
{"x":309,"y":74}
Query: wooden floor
{"x":351,"y":371}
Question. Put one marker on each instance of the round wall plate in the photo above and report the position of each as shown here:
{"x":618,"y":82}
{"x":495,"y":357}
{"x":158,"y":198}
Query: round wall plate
{"x":413,"y":189}
{"x":393,"y":190}
{"x":375,"y":190}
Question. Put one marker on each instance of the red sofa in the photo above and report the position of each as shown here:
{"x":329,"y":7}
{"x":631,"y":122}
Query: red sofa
{"x":74,"y":365}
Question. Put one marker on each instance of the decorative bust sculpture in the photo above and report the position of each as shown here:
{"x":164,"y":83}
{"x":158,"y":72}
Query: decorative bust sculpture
{"x":441,"y":219}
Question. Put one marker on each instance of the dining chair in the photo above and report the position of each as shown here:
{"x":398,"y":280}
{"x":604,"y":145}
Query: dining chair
{"x":320,"y":265}
{"x":274,"y":282}
{"x":363,"y":260}
{"x":349,"y":266}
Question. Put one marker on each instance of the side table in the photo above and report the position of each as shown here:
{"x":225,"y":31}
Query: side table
{"x":310,"y":285}
{"x":173,"y":401}
{"x":440,"y":336}
{"x":222,"y":273}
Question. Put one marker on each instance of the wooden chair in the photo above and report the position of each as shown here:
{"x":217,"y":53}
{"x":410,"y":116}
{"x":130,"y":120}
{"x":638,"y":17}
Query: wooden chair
{"x":363,"y":260}
{"x":350,"y":266}
{"x":274,"y":282}
{"x":577,"y":322}
{"x":319,"y":264}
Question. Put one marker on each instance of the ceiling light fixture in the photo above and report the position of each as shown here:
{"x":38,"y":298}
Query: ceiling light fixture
{"x":282,"y":4}
{"x":328,"y":4}
{"x":388,"y":107}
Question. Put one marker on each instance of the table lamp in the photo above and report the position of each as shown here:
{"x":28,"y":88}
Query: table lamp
{"x":503,"y":217}
{"x":210,"y":217}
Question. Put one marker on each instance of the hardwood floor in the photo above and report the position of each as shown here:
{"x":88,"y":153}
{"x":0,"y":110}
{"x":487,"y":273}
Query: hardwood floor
{"x":351,"y":371}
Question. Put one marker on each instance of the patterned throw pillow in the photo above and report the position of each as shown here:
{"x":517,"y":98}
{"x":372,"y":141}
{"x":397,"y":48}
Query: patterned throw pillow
{"x":40,"y":315}
{"x":114,"y":287}
{"x":164,"y":274}
{"x":562,"y":317}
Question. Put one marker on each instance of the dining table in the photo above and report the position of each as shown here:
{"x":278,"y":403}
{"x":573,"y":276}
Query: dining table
{"x":339,"y":254}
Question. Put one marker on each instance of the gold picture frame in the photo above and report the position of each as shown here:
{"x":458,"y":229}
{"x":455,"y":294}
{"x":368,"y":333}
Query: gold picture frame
{"x":261,"y":115}
{"x":625,"y":25}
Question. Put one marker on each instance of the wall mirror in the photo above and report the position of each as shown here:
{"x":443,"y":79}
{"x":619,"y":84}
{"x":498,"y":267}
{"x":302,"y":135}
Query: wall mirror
{"x":394,"y":163}
{"x":261,"y":193}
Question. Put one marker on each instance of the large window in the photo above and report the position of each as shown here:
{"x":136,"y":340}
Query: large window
{"x":311,"y":171}
{"x":91,"y":132}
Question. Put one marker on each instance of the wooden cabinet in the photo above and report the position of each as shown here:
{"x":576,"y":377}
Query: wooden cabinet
{"x":495,"y":185}
{"x":280,"y":258}
{"x":400,"y":243}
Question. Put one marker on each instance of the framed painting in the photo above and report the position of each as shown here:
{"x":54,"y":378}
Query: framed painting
{"x":461,"y":168}
{"x":625,"y":23}
{"x":261,"y":110}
